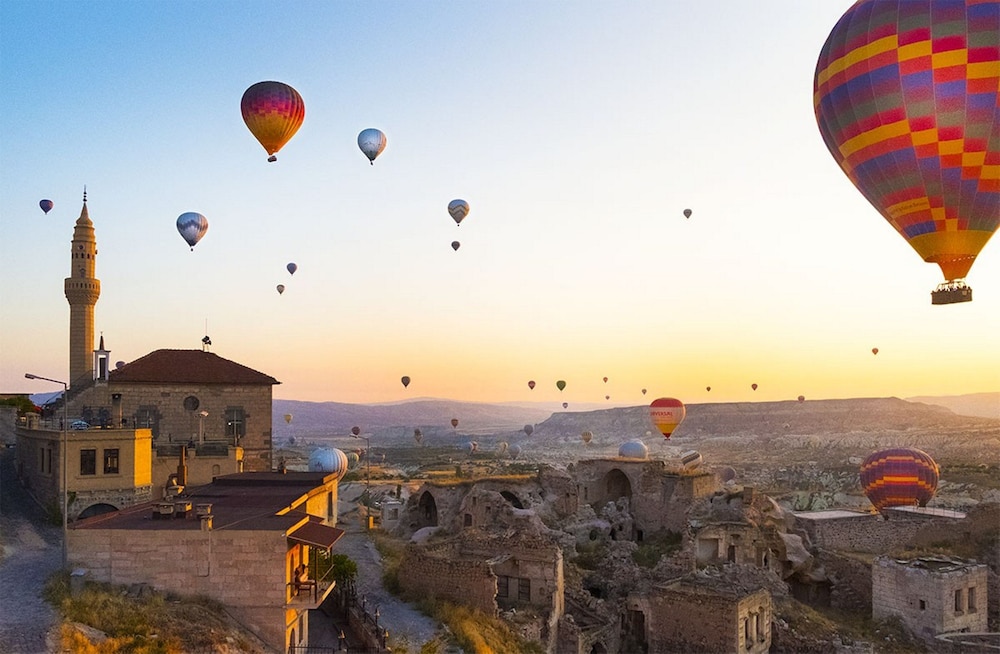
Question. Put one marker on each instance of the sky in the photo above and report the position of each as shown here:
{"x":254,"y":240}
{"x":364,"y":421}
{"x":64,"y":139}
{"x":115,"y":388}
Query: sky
{"x":578,"y":131}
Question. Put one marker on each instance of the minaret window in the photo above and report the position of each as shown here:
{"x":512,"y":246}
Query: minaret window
{"x":191,"y":403}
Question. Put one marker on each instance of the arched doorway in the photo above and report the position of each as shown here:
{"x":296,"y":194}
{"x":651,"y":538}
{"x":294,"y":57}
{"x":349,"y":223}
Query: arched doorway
{"x":512,"y":498}
{"x":96,"y":509}
{"x":427,"y":510}
{"x":616,"y":486}
{"x":598,"y":648}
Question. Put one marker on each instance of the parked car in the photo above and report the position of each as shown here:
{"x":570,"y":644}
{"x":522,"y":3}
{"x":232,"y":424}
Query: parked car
{"x":79,"y":425}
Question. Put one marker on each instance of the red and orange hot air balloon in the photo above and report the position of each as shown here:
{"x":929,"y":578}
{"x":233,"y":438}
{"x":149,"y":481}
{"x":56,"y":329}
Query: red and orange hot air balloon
{"x":902,"y":476}
{"x":907,"y":98}
{"x":273,"y":112}
{"x":666,"y":414}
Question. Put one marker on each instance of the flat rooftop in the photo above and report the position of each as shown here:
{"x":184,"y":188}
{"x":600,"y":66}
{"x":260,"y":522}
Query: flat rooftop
{"x":831,"y":514}
{"x":929,"y":511}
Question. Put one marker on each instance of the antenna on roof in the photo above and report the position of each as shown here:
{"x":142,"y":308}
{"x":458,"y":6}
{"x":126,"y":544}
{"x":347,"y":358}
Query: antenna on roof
{"x":205,"y":342}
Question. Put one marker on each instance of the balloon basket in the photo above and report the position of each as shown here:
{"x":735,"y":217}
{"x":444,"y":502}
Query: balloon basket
{"x":951,"y":293}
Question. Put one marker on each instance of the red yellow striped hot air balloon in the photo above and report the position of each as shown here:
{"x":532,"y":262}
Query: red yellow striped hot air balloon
{"x":907,"y":98}
{"x":666,"y":414}
{"x":273,"y":111}
{"x":901,"y":476}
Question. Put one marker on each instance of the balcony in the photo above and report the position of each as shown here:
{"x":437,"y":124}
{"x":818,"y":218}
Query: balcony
{"x":309,"y":594}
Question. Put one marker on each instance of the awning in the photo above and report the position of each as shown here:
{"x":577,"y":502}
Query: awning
{"x":316,"y":534}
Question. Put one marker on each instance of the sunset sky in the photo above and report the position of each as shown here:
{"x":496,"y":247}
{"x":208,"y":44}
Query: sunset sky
{"x":578,"y":132}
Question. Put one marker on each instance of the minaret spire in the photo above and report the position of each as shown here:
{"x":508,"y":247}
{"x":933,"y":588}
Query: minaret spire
{"x":82,"y":289}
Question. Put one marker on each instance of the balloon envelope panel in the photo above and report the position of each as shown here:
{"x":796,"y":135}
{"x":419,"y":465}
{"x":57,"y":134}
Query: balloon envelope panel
{"x":906,"y":98}
{"x":899,"y":477}
{"x":328,"y":459}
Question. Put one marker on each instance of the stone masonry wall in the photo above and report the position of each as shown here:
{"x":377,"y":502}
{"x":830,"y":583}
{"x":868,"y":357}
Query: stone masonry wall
{"x":244,"y":569}
{"x":436,"y":574}
{"x":851,"y":578}
{"x":861,"y":533}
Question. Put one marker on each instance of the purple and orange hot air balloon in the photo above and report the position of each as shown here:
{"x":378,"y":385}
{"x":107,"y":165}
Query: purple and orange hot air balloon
{"x":907,"y":98}
{"x":273,"y":111}
{"x":901,"y":476}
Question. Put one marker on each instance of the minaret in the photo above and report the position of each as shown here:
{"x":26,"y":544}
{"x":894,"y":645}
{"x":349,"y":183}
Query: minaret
{"x":82,"y":291}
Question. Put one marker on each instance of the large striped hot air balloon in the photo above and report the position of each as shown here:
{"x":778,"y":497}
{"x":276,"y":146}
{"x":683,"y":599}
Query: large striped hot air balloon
{"x":901,"y":476}
{"x":273,"y":111}
{"x":906,"y":98}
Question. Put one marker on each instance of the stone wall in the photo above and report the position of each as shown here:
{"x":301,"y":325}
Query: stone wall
{"x":201,"y":468}
{"x":244,"y":569}
{"x":851,"y":582}
{"x":862,"y":532}
{"x":690,"y":619}
{"x":922,"y":593}
{"x":441,"y":574}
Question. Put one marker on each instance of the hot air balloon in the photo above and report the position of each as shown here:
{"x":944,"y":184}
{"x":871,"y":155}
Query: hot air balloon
{"x":291,"y":268}
{"x":565,"y":405}
{"x":605,"y":380}
{"x":687,"y":213}
{"x":119,"y":365}
{"x":587,"y":436}
{"x":281,"y":288}
{"x":192,"y":226}
{"x":691,"y":459}
{"x":418,"y":436}
{"x":874,"y":350}
{"x":355,"y":430}
{"x":802,"y":398}
{"x":515,"y":451}
{"x":560,"y":384}
{"x":288,"y":418}
{"x":644,"y":391}
{"x":708,"y":388}
{"x":372,"y":142}
{"x":607,"y":397}
{"x":666,"y":414}
{"x":352,"y":459}
{"x":531,"y":385}
{"x":633,"y":449}
{"x":454,"y":422}
{"x":458,"y":209}
{"x":753,"y":386}
{"x":901,"y":476}
{"x":328,"y":460}
{"x":46,"y":205}
{"x":473,"y":447}
{"x":528,"y":429}
{"x":274,"y":112}
{"x":455,"y":245}
{"x":501,"y":447}
{"x":405,"y":380}
{"x":906,"y":96}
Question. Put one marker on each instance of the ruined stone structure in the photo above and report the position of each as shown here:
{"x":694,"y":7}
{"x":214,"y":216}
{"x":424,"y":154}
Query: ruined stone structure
{"x":868,"y":532}
{"x":687,"y":617}
{"x":931,"y":594}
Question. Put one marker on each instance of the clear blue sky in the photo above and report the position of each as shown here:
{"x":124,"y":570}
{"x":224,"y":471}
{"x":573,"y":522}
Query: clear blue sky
{"x":577,"y":131}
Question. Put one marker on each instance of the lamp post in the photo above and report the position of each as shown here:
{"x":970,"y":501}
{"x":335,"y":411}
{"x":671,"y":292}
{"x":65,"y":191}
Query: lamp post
{"x":64,"y":458}
{"x":368,"y":459}
{"x":201,"y":427}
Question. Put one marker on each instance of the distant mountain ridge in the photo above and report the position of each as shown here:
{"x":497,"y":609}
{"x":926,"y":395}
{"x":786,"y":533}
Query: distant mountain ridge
{"x":981,"y":405}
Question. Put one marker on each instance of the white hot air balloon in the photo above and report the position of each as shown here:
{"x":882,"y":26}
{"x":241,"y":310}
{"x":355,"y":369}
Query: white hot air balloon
{"x":192,"y":226}
{"x":371,"y":141}
{"x":458,"y":209}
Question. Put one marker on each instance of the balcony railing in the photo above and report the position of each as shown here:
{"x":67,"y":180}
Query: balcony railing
{"x":311,"y":592}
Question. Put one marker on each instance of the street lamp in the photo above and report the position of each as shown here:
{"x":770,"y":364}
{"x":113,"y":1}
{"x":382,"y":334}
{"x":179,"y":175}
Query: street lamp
{"x":201,"y":427}
{"x":62,"y":447}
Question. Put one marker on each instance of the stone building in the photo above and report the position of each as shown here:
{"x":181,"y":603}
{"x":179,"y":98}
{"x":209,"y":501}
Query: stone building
{"x":237,"y":540}
{"x":931,"y":594}
{"x":689,"y":617}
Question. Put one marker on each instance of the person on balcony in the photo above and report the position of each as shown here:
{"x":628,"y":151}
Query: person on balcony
{"x":301,"y":580}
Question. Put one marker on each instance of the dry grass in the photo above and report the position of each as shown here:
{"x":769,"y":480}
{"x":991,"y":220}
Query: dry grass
{"x":477,"y":633}
{"x":149,"y":623}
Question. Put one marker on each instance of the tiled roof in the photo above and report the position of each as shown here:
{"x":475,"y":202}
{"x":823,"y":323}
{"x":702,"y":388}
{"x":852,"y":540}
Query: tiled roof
{"x":187,"y":367}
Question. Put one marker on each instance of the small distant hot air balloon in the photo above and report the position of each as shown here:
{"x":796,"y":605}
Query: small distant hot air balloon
{"x":515,"y":451}
{"x":874,"y":350}
{"x":273,"y":111}
{"x":281,"y":288}
{"x":291,"y":268}
{"x":565,"y":405}
{"x":501,"y":447}
{"x":901,"y":476}
{"x":687,"y":213}
{"x":454,"y":422}
{"x":418,"y":436}
{"x":455,"y":245}
{"x":906,"y":95}
{"x":644,"y":391}
{"x":531,"y":385}
{"x":691,"y":459}
{"x":46,"y":205}
{"x":119,"y":365}
{"x":708,"y":388}
{"x":560,"y":384}
{"x":355,"y":430}
{"x":587,"y":436}
{"x":802,"y":398}
{"x":473,"y":447}
{"x":753,"y":386}
{"x":458,"y":209}
{"x":666,"y":413}
{"x":192,"y":226}
{"x":528,"y":429}
{"x":405,"y":380}
{"x":288,"y":418}
{"x":372,"y":142}
{"x":605,"y":380}
{"x":607,"y":397}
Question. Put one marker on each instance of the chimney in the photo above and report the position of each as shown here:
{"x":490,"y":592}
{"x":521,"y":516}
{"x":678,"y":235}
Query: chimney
{"x":206,"y":522}
{"x":182,"y":470}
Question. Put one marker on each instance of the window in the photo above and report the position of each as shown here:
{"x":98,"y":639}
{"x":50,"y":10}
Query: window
{"x":503,"y":586}
{"x":923,"y":605}
{"x":468,"y":519}
{"x":959,"y":606}
{"x":41,"y":459}
{"x":524,"y":589}
{"x":235,"y":425}
{"x":88,"y":462}
{"x":191,"y":403}
{"x":972,"y":599}
{"x":111,"y":462}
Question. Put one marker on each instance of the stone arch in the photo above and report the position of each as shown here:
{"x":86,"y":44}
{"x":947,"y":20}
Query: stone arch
{"x":96,"y":509}
{"x":512,"y":498}
{"x":616,"y":486}
{"x":427,"y":513}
